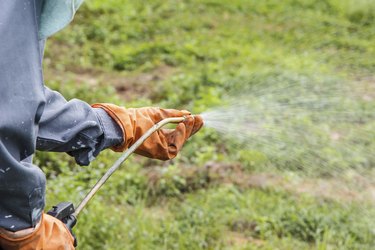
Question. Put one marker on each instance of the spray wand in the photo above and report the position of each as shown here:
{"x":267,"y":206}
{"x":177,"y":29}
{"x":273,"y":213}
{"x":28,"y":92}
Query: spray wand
{"x":65,"y":211}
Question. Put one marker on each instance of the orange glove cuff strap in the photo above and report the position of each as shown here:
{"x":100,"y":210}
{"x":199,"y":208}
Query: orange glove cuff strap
{"x":122,"y":119}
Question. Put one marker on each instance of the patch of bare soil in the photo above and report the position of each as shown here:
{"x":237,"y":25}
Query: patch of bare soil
{"x":237,"y":239}
{"x":129,"y":87}
{"x":142,"y":85}
{"x":357,"y":188}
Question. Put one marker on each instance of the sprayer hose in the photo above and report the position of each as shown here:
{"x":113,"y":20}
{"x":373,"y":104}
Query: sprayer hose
{"x":123,"y":158}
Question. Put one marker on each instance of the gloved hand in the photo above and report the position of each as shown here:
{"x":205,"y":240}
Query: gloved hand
{"x":164,"y":144}
{"x":51,"y":234}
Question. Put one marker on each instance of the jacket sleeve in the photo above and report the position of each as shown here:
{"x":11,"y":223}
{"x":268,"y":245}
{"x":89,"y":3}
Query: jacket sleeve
{"x":76,"y":128}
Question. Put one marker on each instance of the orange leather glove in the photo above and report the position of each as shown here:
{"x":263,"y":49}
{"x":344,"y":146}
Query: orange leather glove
{"x":164,"y":144}
{"x":51,"y":234}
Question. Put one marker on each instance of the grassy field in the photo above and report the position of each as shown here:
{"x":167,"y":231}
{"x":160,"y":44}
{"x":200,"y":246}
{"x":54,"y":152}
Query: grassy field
{"x":217,"y":194}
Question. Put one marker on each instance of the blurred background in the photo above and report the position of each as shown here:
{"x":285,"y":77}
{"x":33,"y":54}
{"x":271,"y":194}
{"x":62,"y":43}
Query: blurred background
{"x":301,"y":70}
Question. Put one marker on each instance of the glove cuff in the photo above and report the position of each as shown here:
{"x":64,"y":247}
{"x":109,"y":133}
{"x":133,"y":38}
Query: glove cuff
{"x":123,"y":119}
{"x":21,"y":235}
{"x":51,"y":234}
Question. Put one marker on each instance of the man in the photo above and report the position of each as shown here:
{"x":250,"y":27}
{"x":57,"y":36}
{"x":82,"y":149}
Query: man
{"x":34,"y":117}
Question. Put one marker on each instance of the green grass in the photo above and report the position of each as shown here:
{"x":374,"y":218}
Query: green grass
{"x":190,"y":55}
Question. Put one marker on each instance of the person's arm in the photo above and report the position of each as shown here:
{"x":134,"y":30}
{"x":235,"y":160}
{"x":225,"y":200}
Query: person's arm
{"x":83,"y":131}
{"x":76,"y":128}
